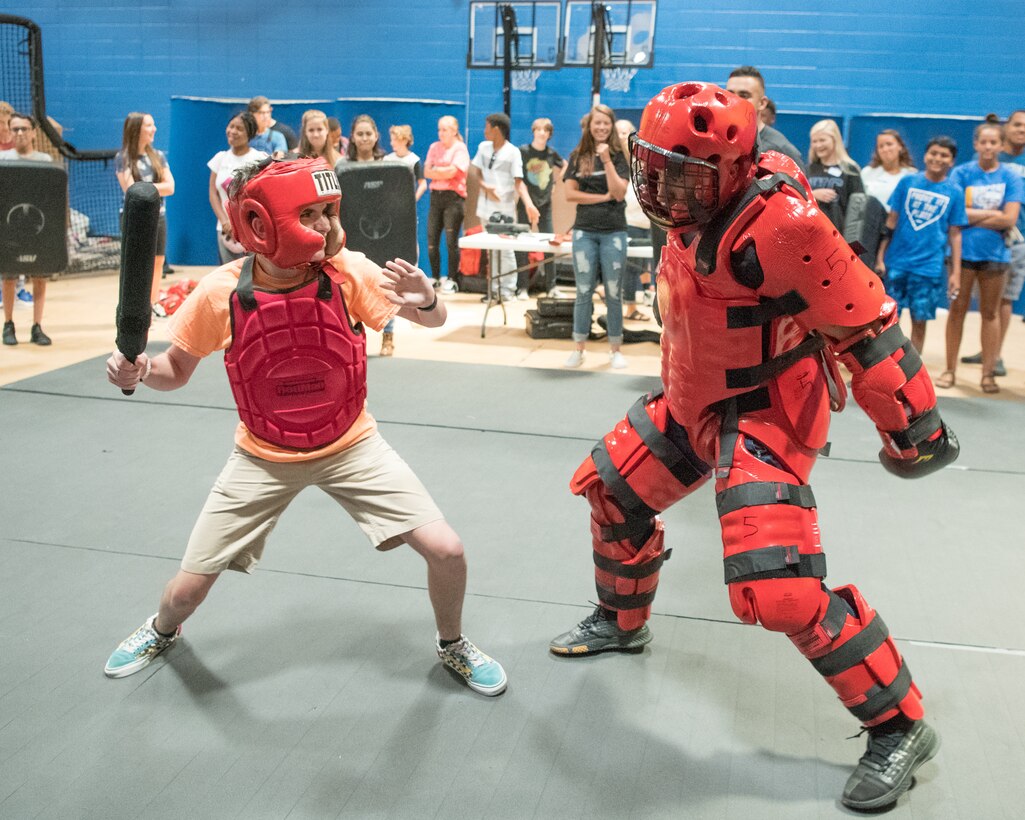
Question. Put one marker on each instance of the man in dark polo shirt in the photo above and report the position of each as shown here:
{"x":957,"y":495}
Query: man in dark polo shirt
{"x":747,"y":82}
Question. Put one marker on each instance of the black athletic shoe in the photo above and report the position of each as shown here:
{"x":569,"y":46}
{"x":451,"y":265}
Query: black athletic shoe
{"x":9,"y":337}
{"x":38,"y":337}
{"x":599,"y":632}
{"x":887,"y":768}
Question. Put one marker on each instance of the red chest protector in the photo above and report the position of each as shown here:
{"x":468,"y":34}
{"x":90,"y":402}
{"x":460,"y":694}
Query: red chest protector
{"x":297,"y":366}
{"x":723,"y":337}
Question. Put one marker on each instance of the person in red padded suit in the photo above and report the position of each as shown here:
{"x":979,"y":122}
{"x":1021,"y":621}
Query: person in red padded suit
{"x":760,"y":297}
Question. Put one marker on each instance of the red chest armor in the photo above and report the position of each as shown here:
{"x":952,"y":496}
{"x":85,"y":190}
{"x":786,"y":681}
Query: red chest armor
{"x":297,"y":366}
{"x":724,"y":334}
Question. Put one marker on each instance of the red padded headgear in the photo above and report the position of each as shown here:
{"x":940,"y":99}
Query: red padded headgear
{"x":693,"y":153}
{"x":277,"y":195}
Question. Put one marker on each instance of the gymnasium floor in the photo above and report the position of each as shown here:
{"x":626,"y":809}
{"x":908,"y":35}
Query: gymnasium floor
{"x":310,"y":689}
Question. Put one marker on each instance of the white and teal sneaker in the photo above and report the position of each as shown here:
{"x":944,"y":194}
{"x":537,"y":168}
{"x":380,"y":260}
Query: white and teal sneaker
{"x":482,"y":673}
{"x":137,"y":650}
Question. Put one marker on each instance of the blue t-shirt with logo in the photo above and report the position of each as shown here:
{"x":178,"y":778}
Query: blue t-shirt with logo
{"x":1016,"y":162}
{"x":988,"y":190}
{"x":925,"y":211}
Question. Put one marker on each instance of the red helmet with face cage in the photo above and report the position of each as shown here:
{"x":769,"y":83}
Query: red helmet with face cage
{"x":694,"y":151}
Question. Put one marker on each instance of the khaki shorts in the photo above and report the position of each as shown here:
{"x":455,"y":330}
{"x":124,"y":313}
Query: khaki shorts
{"x":374,"y":485}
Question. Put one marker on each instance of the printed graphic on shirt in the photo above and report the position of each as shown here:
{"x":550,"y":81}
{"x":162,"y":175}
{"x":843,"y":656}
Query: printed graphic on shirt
{"x":539,"y":173}
{"x":924,"y":207}
{"x":985,"y":197}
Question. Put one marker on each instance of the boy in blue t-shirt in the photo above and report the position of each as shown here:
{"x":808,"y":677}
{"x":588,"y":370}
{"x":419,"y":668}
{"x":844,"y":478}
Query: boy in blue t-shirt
{"x":927,"y":211}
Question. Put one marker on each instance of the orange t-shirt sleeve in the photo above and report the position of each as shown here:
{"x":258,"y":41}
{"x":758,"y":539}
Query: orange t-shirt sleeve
{"x":202,"y":325}
{"x":361,"y":282}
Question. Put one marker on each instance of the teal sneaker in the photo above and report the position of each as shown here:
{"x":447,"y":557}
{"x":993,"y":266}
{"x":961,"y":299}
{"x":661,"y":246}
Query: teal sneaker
{"x":482,"y":673}
{"x":137,"y":650}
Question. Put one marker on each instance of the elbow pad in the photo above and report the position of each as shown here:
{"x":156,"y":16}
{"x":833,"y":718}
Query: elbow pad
{"x":893,"y":388}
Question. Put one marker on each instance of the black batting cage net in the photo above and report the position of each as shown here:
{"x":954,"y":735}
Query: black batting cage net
{"x":94,"y":196}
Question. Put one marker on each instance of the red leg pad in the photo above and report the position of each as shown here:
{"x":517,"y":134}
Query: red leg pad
{"x":604,"y":511}
{"x":870,"y":664}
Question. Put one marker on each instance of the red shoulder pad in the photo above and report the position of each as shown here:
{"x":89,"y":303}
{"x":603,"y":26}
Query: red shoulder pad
{"x":773,"y":162}
{"x":799,"y":249}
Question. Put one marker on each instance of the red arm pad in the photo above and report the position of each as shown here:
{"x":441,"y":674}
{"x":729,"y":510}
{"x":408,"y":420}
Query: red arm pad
{"x":892,"y":386}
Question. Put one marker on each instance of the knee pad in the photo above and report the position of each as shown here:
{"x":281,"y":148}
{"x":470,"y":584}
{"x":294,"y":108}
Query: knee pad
{"x":772,"y":558}
{"x":640,"y":468}
{"x":850,"y":646}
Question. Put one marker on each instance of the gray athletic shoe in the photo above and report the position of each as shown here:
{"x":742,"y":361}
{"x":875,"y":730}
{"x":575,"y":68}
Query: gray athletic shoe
{"x":998,"y":368}
{"x":887,"y":768}
{"x":597,"y":633}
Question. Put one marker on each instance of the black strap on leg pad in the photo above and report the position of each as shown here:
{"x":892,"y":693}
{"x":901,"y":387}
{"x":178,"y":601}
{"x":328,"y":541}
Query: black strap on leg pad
{"x":631,"y":571}
{"x":613,"y":479}
{"x":728,"y":433}
{"x":613,"y":600}
{"x":881,"y":699}
{"x":632,"y":528}
{"x":773,"y":562}
{"x":761,"y":493}
{"x":685,"y":465}
{"x":833,"y":621}
{"x":853,"y":651}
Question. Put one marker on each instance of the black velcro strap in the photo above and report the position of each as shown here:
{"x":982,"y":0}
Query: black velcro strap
{"x":836,"y":614}
{"x":617,"y":485}
{"x":918,"y":431}
{"x":741,"y":377}
{"x":324,"y":286}
{"x":708,"y":247}
{"x":677,"y":461}
{"x":853,"y":651}
{"x":789,"y":304}
{"x":872,"y":350}
{"x":613,"y":600}
{"x":881,"y":699}
{"x":728,"y":435}
{"x":244,"y":288}
{"x":631,"y":528}
{"x":760,"y":493}
{"x":773,"y":562}
{"x":910,"y":362}
{"x":753,"y":401}
{"x":621,"y":570}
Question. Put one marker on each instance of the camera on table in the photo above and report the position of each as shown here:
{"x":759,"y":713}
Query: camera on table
{"x":504,"y":223}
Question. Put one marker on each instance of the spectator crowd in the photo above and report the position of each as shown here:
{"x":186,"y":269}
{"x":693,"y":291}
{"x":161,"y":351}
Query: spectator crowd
{"x":939,"y":232}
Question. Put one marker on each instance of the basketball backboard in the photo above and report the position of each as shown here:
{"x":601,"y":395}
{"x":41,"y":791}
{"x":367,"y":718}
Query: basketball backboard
{"x":536,"y":30}
{"x":629,"y":33}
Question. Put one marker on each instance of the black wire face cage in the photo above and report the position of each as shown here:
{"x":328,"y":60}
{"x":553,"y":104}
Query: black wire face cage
{"x":673,"y":190}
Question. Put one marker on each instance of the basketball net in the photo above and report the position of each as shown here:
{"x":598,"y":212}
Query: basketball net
{"x":525,"y":79}
{"x":618,"y":79}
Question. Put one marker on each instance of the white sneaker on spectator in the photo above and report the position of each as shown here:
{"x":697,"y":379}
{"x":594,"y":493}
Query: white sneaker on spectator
{"x":522,"y":295}
{"x":555,"y":293}
{"x":617,"y":360}
{"x":448,"y":286}
{"x":576,"y":358}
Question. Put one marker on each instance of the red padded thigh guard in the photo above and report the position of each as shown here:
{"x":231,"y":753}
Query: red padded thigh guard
{"x":632,"y":474}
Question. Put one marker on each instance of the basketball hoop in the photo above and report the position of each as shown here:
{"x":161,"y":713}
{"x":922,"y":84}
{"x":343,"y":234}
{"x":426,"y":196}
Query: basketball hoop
{"x":618,"y":79}
{"x":525,"y":79}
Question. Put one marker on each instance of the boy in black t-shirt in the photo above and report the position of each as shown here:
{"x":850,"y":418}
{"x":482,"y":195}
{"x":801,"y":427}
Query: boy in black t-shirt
{"x":542,"y":167}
